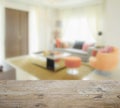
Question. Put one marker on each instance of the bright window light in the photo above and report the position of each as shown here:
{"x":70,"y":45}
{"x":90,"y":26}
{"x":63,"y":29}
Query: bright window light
{"x":82,"y":24}
{"x":76,"y":29}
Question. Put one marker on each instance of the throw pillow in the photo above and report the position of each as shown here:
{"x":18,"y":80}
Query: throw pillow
{"x":78,"y":45}
{"x":108,"y":49}
{"x":86,"y":46}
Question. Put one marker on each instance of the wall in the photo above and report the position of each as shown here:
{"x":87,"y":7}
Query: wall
{"x":112,"y":22}
{"x":43,"y":21}
{"x":41,"y":25}
{"x":47,"y":27}
{"x":2,"y":47}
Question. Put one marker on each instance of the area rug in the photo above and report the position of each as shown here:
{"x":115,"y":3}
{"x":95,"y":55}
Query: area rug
{"x":26,"y":64}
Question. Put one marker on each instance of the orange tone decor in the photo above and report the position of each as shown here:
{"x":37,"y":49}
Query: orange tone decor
{"x":73,"y":62}
{"x":58,"y":43}
{"x":105,"y":61}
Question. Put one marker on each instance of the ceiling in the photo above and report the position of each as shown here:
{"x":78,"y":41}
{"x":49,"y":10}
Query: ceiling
{"x":58,"y":3}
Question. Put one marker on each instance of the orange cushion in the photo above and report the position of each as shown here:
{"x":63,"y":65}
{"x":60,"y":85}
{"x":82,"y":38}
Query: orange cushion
{"x":73,"y":62}
{"x":86,"y":46}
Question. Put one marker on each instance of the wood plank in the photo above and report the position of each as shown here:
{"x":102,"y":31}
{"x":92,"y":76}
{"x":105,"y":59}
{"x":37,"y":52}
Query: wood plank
{"x":59,"y":94}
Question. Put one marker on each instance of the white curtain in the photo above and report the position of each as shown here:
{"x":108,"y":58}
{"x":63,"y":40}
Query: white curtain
{"x":82,"y":24}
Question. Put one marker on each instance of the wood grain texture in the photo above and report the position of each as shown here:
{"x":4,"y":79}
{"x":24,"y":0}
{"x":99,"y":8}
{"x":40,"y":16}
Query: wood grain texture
{"x":59,"y":94}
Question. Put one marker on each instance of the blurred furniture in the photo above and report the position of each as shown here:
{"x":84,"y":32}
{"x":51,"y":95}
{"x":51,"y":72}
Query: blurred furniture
{"x":79,"y":49}
{"x":7,"y":72}
{"x":27,"y":70}
{"x":84,"y":55}
{"x":72,"y":63}
{"x":55,"y":61}
{"x":93,"y":50}
{"x":105,"y":61}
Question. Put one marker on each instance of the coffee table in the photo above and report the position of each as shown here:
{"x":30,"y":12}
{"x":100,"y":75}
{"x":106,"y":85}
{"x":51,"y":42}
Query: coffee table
{"x":54,"y":62}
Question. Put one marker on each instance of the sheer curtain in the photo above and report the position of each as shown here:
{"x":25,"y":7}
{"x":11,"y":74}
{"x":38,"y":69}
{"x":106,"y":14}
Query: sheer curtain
{"x":82,"y":24}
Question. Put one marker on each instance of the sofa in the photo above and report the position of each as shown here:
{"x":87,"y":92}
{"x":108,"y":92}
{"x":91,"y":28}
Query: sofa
{"x":77,"y":50}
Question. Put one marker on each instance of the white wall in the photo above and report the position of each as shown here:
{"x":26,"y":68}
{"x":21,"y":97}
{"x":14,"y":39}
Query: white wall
{"x":47,"y":27}
{"x":41,"y":24}
{"x":112,"y":22}
{"x":43,"y":21}
{"x":2,"y":38}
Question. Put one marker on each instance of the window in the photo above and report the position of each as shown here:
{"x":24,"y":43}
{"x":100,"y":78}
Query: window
{"x":81,"y":25}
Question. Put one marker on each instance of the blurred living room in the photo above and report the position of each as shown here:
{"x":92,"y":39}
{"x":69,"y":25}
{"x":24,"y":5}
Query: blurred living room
{"x":59,"y":39}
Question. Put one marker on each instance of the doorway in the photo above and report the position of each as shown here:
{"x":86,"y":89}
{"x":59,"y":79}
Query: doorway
{"x":16,"y":40}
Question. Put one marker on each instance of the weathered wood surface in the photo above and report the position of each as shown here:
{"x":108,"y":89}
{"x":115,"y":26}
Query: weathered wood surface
{"x":59,"y":94}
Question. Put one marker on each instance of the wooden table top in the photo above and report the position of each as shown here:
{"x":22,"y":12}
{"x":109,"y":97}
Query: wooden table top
{"x":59,"y":94}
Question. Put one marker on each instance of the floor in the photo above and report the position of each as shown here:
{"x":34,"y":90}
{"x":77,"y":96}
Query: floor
{"x":21,"y":74}
{"x":26,"y":70}
{"x":115,"y":75}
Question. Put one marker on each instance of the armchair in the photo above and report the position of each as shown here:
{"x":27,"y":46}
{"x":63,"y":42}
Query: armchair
{"x":105,"y":61}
